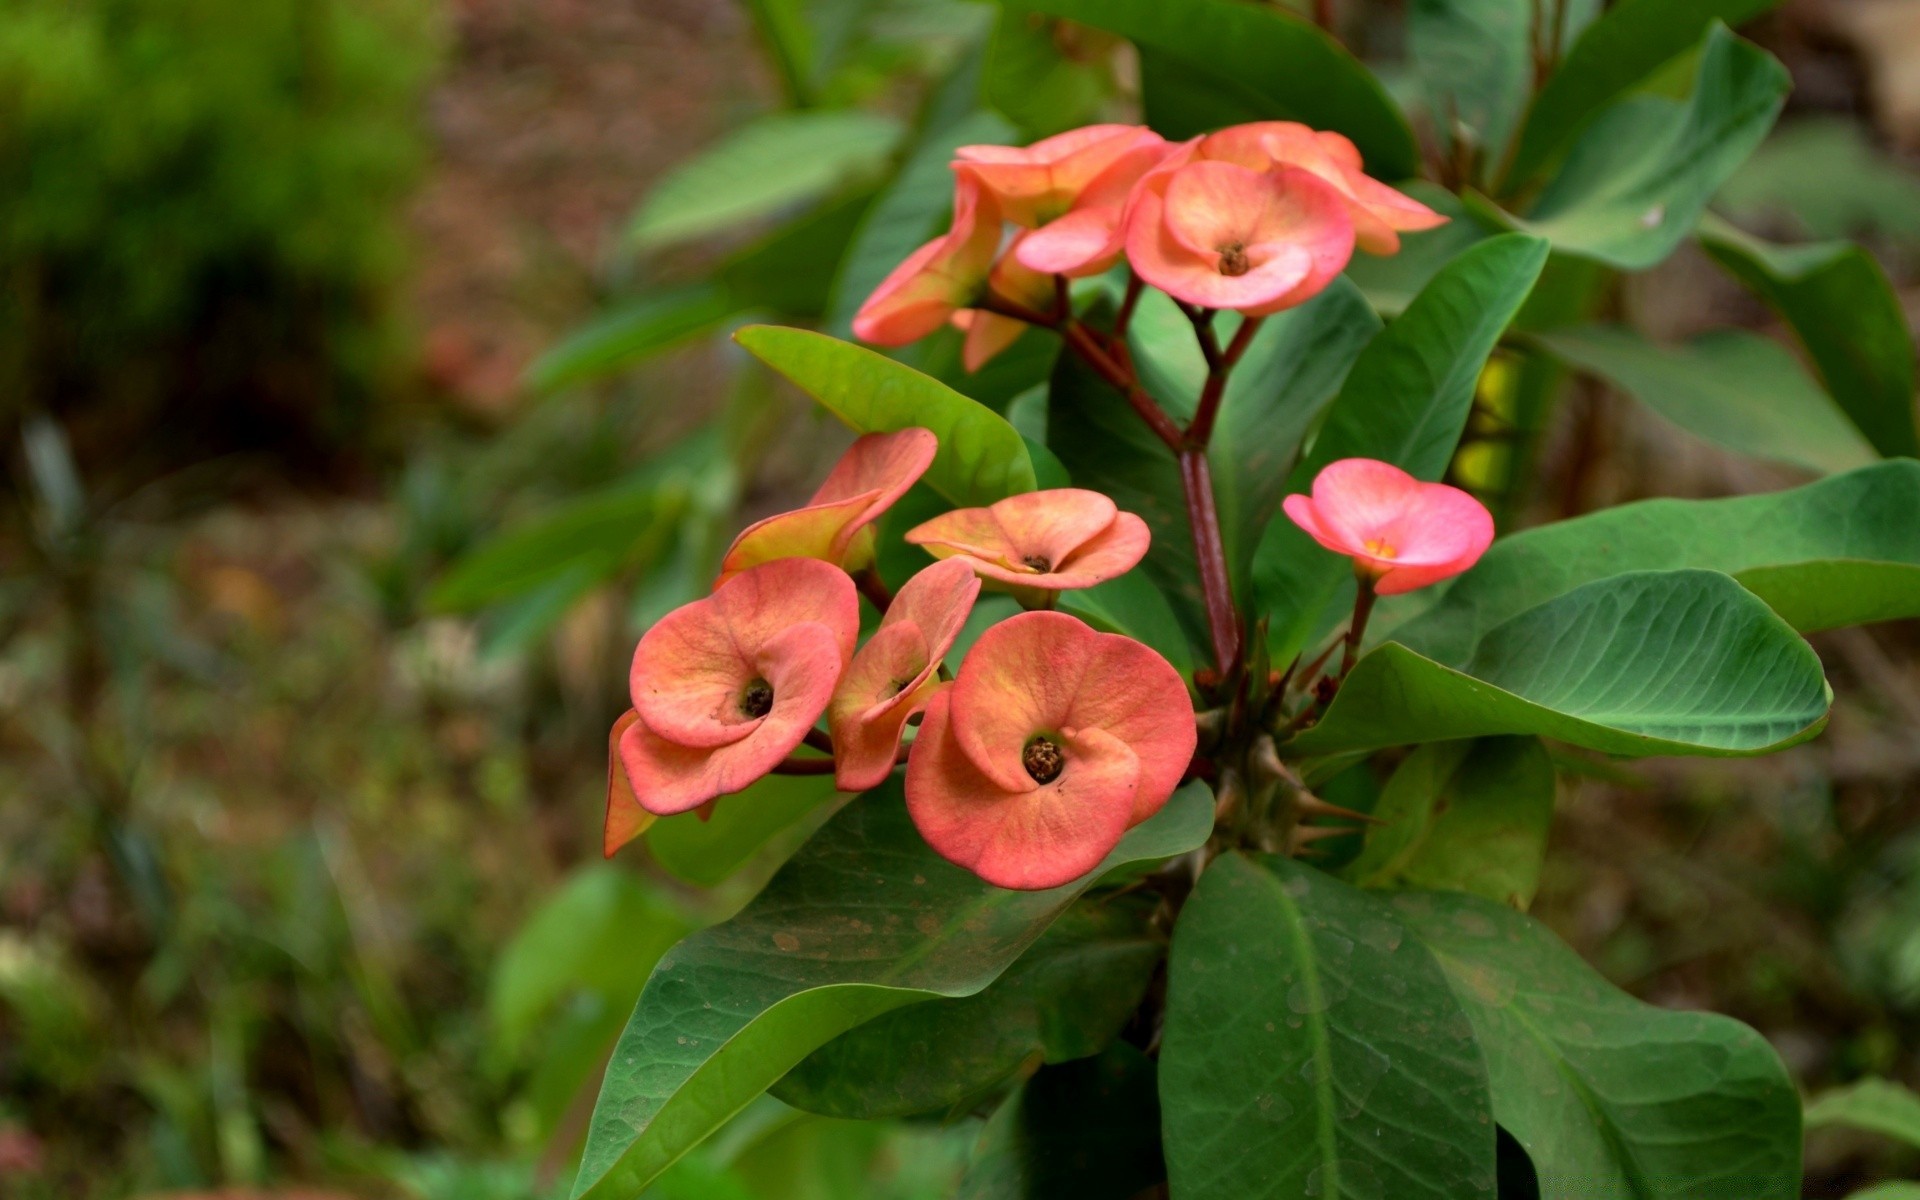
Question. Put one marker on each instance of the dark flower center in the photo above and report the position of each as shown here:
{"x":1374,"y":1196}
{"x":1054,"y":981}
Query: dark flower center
{"x":1233,"y":259}
{"x":1043,"y":760}
{"x":1037,"y":563}
{"x":757,"y":700}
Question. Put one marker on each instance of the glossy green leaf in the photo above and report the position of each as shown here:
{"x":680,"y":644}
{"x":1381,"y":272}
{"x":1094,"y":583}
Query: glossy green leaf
{"x":1843,"y":309}
{"x":1406,"y":402}
{"x":1464,"y":817}
{"x":1321,"y":84}
{"x":1733,"y":388}
{"x":1841,"y":551}
{"x":865,"y":919}
{"x":1874,"y":1105}
{"x":1391,"y":281}
{"x":1474,"y":60}
{"x":1619,"y":50}
{"x":1083,"y":1129}
{"x":981,"y":458}
{"x":1066,"y":998}
{"x":707,"y":853}
{"x":1312,"y":1048}
{"x":1654,"y":662}
{"x":632,"y":333}
{"x":1635,"y":183}
{"x":1610,"y":1096}
{"x":1133,"y":606}
{"x":772,"y":163}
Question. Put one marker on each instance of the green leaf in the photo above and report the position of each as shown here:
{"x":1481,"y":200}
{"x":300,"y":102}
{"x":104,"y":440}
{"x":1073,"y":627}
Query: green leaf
{"x":775,"y":162}
{"x":1313,"y":1049}
{"x":1654,"y":662}
{"x":1240,"y":44}
{"x":1825,"y":177}
{"x":1874,"y":1105}
{"x":1842,"y":307}
{"x":1406,"y":402}
{"x":1636,"y":182}
{"x":790,"y":271}
{"x":1632,"y":40}
{"x":865,"y":919}
{"x":1391,"y":281}
{"x":631,"y":333}
{"x":1842,"y":551}
{"x":1027,"y":77}
{"x":1610,"y":1096}
{"x":707,"y":853}
{"x":1895,"y":1190}
{"x":1733,"y":388}
{"x":1465,"y":817}
{"x":783,"y":30}
{"x":1474,"y":59}
{"x":1066,"y":998}
{"x":981,"y":458}
{"x":1132,"y":606}
{"x":1083,"y":1129}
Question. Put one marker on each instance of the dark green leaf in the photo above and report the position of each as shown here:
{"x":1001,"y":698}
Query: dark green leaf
{"x":1474,"y":59}
{"x":707,"y":853}
{"x":1027,"y":77}
{"x":1131,"y":605}
{"x":1655,"y":662}
{"x":601,"y":534}
{"x":1609,"y":1096}
{"x":1391,"y":281}
{"x":1312,"y":1048}
{"x":1066,"y":998}
{"x":863,"y":920}
{"x":782,"y":26}
{"x":1623,"y":47}
{"x":627,"y":335}
{"x":1872,"y":1104}
{"x":1179,"y":101}
{"x":981,"y":459}
{"x":1733,"y":388}
{"x":1073,"y":1132}
{"x":1839,"y":303}
{"x":791,"y":270}
{"x":1842,"y":551}
{"x":1464,"y":817}
{"x":1320,"y":83}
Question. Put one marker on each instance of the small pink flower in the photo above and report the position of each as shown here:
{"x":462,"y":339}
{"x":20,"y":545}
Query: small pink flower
{"x":988,"y":333}
{"x":726,"y":687}
{"x":1036,"y":184}
{"x":836,"y":526}
{"x":1048,"y":541}
{"x":894,"y":673}
{"x":1221,"y":235}
{"x":1051,"y":744}
{"x":1401,"y":533}
{"x":1380,"y":214}
{"x":939,"y":278}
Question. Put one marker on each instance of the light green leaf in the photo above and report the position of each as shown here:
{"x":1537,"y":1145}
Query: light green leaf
{"x":1406,"y":402}
{"x":1874,"y":1105}
{"x":1465,"y":817}
{"x":1842,"y":307}
{"x":1636,"y":182}
{"x":1610,"y":1096}
{"x":1321,"y":84}
{"x":1089,"y":1128}
{"x":865,"y":919}
{"x":1313,"y":1049}
{"x":1841,"y":551}
{"x":1066,"y":998}
{"x":631,"y":333}
{"x":981,"y":458}
{"x":707,"y":853}
{"x":775,"y":162}
{"x":1631,"y":41}
{"x":1733,"y":388}
{"x":1655,"y":662}
{"x":1825,"y":177}
{"x":1895,"y":1190}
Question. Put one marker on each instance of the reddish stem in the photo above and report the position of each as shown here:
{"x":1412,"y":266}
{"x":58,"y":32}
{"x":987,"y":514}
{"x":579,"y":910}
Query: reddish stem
{"x":805,"y":766}
{"x":1135,"y":285}
{"x":1200,"y":429}
{"x":1323,"y":14}
{"x":874,"y":589}
{"x":1357,"y":628}
{"x":1223,"y":623}
{"x":1122,"y":380}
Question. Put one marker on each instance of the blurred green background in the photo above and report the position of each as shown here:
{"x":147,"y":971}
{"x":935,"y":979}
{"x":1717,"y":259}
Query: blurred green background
{"x":299,"y":801}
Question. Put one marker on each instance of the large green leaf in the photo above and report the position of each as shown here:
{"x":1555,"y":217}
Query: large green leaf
{"x":1733,"y":388}
{"x":773,"y":163}
{"x":707,"y":852}
{"x":1028,"y":78}
{"x":1654,"y":662}
{"x":1633,"y":187}
{"x":631,"y":333}
{"x":1474,"y":60}
{"x":1312,"y":1048}
{"x":1872,"y":1104}
{"x":790,"y":271}
{"x":981,"y":458}
{"x":1623,"y":47}
{"x":1842,"y":307}
{"x":1133,"y":606}
{"x":1464,"y":817}
{"x":1391,"y":281}
{"x":1244,"y":45}
{"x":865,"y":919}
{"x":1065,"y":999}
{"x":1089,"y":1128}
{"x":1895,"y":1190}
{"x":1610,"y":1096}
{"x":1405,"y":401}
{"x":1841,"y":551}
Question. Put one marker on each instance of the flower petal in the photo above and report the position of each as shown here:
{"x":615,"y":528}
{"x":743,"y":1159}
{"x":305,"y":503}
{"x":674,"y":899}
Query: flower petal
{"x":762,"y":602}
{"x":1130,"y":692}
{"x":626,"y":820}
{"x":918,"y":296}
{"x":888,"y":682}
{"x":818,"y":531}
{"x":1020,"y":679}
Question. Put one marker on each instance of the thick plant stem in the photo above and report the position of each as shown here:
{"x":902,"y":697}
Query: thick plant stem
{"x":1223,"y":623}
{"x":1357,"y":628}
{"x":874,"y":589}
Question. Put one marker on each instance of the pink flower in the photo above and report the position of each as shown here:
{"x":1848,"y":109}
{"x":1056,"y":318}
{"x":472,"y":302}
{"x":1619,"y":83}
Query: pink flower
{"x":1043,"y":182}
{"x":1051,"y":744}
{"x":836,"y":526}
{"x":939,"y":278}
{"x":894,"y":673}
{"x":1402,"y":534}
{"x":1050,"y":541}
{"x":726,"y":687}
{"x":1380,"y":214}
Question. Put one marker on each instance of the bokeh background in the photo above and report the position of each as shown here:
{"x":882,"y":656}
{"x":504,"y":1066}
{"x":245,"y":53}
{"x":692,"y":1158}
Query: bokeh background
{"x":302,"y":720}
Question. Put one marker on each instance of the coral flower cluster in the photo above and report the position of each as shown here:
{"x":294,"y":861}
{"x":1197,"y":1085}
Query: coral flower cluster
{"x":1255,"y":218}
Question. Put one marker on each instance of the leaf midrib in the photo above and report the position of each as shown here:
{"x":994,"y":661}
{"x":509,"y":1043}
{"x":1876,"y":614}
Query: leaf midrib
{"x":1316,"y":1026}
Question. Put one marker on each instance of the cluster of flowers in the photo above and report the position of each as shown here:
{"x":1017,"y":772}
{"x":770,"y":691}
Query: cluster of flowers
{"x":1255,"y":218}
